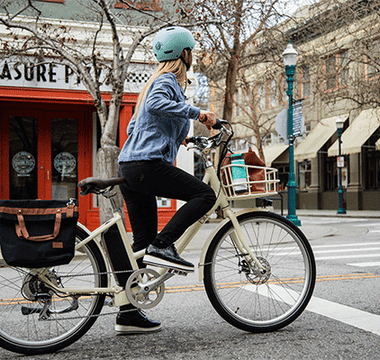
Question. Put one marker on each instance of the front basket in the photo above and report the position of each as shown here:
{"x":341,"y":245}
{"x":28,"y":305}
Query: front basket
{"x":259,"y":181}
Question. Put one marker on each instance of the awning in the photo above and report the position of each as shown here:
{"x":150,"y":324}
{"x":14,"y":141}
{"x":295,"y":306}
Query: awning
{"x":309,"y":147}
{"x":357,"y":133}
{"x":272,"y":152}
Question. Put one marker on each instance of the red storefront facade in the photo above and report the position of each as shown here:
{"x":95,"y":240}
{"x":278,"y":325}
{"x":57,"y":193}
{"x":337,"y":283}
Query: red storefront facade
{"x":48,"y":143}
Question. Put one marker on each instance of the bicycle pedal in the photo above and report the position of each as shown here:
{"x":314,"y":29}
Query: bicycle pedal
{"x":178,"y":272}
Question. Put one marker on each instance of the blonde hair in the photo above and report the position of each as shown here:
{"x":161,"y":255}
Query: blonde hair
{"x":177,"y":67}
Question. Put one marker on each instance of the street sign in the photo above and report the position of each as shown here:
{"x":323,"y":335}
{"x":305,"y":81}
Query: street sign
{"x":281,"y":121}
{"x":340,"y":161}
{"x":298,"y":120}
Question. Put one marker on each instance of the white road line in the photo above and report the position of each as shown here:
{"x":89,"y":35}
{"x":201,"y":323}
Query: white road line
{"x":345,"y":245}
{"x":345,"y":314}
{"x":347,"y":257}
{"x":365,"y":264}
{"x":345,"y":250}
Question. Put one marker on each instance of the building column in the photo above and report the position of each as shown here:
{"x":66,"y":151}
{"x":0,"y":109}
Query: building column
{"x":315,"y":186}
{"x":354,"y":189}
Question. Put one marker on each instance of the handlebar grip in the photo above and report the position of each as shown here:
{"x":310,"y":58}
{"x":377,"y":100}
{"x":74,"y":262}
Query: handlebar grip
{"x":218,"y":125}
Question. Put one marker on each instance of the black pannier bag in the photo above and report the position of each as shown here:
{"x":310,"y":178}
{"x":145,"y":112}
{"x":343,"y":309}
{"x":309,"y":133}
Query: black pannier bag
{"x":38,"y":233}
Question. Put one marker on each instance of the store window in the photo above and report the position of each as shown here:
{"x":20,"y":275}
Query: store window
{"x":283,"y":175}
{"x":304,"y":175}
{"x":331,"y":174}
{"x":371,"y":158}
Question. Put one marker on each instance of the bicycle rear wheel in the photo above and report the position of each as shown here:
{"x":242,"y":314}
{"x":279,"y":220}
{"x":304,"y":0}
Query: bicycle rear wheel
{"x":243,"y":296}
{"x":34,"y":319}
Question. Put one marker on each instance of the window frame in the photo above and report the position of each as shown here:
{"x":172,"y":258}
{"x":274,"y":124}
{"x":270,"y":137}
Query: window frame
{"x":367,"y":62}
{"x":338,"y":73}
{"x":148,"y":5}
{"x":303,"y":82}
{"x":54,"y":1}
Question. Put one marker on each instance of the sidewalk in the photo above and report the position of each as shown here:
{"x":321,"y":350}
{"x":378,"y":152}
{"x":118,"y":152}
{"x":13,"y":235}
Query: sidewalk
{"x":333,"y":213}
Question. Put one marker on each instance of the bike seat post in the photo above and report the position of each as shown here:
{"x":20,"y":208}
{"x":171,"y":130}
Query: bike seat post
{"x":110,"y":196}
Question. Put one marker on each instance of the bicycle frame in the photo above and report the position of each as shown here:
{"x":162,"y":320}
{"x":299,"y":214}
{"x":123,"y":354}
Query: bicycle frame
{"x":120,"y":297}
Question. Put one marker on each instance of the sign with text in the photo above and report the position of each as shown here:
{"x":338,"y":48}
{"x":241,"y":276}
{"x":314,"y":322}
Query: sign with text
{"x":51,"y":74}
{"x":298,"y":120}
{"x":340,"y":161}
{"x":281,"y":121}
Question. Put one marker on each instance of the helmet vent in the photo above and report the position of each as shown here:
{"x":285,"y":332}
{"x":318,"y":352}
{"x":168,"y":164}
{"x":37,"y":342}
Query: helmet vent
{"x":168,"y":52}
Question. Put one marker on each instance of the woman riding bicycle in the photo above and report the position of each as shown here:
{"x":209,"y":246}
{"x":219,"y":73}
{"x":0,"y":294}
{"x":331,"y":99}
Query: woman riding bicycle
{"x":158,"y":127}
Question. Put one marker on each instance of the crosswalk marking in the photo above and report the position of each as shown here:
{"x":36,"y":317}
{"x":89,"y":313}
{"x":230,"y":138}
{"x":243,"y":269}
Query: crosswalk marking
{"x":365,"y":264}
{"x":359,"y":256}
{"x":345,"y":314}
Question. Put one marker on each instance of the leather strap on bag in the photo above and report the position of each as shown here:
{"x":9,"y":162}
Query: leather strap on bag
{"x":21,"y":230}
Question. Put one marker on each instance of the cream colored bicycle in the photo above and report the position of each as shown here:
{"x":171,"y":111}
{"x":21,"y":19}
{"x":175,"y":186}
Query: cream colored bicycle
{"x":257,"y":267}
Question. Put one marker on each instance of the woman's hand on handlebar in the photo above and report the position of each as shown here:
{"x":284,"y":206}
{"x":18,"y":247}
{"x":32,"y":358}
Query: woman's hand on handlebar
{"x":207,"y":118}
{"x":186,"y":141}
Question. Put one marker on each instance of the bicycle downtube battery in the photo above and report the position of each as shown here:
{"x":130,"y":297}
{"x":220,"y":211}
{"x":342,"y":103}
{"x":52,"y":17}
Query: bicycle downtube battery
{"x":119,"y":261}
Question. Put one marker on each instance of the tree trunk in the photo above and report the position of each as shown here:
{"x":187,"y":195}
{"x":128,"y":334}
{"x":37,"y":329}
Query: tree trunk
{"x":230,"y":88}
{"x":107,"y":167}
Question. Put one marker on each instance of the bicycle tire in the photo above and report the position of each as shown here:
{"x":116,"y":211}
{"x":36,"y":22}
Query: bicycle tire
{"x":21,"y":328}
{"x":251,"y":301}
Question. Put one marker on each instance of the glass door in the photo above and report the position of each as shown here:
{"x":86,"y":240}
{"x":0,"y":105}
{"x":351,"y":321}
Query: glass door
{"x":64,"y":158}
{"x":23,"y":160}
{"x":42,"y":155}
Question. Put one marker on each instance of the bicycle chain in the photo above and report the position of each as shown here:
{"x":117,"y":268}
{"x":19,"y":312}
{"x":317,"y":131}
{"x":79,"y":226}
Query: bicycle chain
{"x":91,"y":316}
{"x":100,"y":273}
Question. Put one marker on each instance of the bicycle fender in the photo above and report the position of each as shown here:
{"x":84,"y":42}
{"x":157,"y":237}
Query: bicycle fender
{"x":211,"y":237}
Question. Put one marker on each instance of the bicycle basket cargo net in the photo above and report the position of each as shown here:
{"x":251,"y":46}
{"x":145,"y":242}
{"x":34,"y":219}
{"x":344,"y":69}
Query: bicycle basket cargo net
{"x":38,"y":233}
{"x":245,"y":176}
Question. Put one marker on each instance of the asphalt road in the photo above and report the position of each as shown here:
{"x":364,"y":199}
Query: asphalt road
{"x":341,"y":322}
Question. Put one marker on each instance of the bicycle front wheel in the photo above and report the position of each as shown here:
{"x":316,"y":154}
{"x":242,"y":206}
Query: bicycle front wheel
{"x":240,"y":293}
{"x":36,"y":320}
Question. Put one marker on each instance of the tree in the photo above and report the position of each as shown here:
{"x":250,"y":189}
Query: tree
{"x":127,"y":23}
{"x":243,"y":24}
{"x":243,"y":54}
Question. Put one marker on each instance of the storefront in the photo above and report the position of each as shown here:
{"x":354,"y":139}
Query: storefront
{"x":49,"y":136}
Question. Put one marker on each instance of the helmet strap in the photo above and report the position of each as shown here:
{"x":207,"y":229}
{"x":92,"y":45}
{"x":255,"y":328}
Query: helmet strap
{"x":184,"y":61}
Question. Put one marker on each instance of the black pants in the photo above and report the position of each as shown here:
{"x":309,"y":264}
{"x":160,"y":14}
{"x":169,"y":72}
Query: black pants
{"x":147,"y":179}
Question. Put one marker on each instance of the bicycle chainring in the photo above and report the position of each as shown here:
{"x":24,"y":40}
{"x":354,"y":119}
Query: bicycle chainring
{"x":141,"y":290}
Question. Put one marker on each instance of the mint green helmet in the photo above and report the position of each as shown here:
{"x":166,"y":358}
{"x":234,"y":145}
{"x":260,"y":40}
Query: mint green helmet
{"x":169,"y":43}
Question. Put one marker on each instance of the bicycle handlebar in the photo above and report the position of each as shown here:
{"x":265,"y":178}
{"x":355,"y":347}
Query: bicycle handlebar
{"x":202,"y":140}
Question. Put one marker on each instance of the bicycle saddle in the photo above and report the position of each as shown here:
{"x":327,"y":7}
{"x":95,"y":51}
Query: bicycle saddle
{"x":94,"y":185}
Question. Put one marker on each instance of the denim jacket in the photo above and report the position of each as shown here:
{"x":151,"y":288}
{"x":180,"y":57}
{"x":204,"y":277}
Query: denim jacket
{"x":162,"y":123}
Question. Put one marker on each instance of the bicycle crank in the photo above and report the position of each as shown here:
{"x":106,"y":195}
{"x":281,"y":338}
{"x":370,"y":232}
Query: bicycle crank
{"x":145,"y":288}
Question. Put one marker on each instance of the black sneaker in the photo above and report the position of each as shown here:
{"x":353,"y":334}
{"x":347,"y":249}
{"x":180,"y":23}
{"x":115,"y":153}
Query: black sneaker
{"x":135,"y":322}
{"x":167,"y":258}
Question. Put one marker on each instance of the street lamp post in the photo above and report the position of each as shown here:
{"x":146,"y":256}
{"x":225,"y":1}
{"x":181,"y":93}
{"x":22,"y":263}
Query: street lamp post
{"x":290,"y":60}
{"x":340,"y":163}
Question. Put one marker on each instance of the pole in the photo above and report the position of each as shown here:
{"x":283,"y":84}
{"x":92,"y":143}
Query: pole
{"x":341,"y":209}
{"x":291,"y":185}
